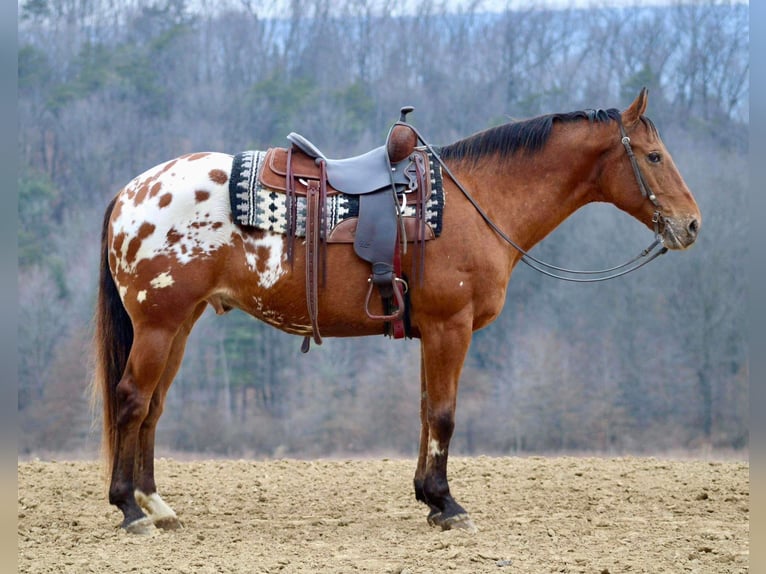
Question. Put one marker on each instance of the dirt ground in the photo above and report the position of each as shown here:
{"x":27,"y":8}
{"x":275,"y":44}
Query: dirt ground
{"x":537,"y":515}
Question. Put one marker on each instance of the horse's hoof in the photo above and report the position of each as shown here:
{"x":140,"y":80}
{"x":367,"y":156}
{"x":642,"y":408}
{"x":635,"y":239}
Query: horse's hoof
{"x":459,"y":522}
{"x":456,"y":522}
{"x":168,"y":523}
{"x":142,"y":526}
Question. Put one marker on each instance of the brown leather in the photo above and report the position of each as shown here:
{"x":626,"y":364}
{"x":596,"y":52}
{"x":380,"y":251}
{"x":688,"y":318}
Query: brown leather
{"x":401,"y":142}
{"x":374,"y":233}
{"x":281,"y":161}
{"x":274,"y":172}
{"x":345,"y":231}
{"x":313,"y":256}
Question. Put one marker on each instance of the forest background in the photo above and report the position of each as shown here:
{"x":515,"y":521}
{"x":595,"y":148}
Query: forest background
{"x":656,"y":361}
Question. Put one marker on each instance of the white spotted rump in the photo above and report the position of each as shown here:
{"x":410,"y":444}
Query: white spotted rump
{"x":180,"y":210}
{"x":174,"y":209}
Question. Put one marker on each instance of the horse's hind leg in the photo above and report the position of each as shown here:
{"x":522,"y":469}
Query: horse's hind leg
{"x":145,"y":367}
{"x":146,"y":493}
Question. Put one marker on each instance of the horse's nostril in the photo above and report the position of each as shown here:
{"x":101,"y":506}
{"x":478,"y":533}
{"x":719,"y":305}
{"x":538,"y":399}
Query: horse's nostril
{"x":693,"y":227}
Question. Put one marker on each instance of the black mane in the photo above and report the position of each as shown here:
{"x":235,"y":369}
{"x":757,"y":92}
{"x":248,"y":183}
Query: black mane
{"x":527,"y":135}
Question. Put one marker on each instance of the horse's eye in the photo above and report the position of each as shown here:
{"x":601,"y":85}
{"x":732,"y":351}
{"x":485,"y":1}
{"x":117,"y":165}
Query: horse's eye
{"x":654,"y":157}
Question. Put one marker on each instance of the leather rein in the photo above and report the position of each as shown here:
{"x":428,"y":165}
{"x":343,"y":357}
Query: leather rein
{"x":580,"y":276}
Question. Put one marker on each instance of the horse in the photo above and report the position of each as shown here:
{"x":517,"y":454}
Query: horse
{"x":170,"y":248}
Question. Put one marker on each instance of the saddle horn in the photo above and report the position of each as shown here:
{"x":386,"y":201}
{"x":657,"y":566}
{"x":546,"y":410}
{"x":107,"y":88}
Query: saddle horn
{"x":404,"y":111}
{"x":402,"y":139}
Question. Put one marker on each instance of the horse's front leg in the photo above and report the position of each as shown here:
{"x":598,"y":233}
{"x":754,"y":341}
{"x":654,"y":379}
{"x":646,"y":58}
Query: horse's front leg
{"x":420,"y":471}
{"x":443,"y":349}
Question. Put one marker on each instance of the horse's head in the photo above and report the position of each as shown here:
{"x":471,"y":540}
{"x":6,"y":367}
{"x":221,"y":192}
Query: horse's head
{"x":648,"y":184}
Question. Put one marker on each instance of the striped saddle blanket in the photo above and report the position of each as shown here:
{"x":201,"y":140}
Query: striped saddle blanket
{"x":257,"y":202}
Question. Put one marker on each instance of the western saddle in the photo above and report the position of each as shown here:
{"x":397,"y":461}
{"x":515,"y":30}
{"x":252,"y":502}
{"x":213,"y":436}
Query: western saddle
{"x":384,"y":180}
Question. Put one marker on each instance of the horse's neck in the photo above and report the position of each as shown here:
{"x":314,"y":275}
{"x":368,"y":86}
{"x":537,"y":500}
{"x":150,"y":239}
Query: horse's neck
{"x":528,"y":196}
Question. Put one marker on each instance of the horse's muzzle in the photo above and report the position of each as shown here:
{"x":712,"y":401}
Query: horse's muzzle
{"x":680,"y":232}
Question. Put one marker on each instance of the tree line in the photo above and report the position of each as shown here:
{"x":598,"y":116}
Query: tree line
{"x":655,"y":361}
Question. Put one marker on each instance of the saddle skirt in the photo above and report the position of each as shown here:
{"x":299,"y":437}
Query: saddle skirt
{"x":257,"y":193}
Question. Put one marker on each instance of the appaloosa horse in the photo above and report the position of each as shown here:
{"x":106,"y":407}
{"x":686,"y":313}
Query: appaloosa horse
{"x":170,"y":248}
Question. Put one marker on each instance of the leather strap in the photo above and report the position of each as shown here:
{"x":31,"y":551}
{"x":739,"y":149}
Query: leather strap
{"x":397,"y":325}
{"x":420,"y":216}
{"x":313,"y":239}
{"x":292,"y":208}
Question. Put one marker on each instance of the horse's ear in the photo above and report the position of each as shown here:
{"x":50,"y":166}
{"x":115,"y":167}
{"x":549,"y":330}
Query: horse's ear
{"x":636,"y":109}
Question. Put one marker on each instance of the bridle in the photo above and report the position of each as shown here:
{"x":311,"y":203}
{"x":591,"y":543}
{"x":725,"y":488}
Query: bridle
{"x":648,"y":254}
{"x":646,"y":191}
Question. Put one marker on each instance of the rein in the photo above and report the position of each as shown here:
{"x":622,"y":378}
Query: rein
{"x":590,"y":276}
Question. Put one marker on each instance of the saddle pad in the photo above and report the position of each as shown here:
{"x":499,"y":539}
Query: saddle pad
{"x":255,"y":205}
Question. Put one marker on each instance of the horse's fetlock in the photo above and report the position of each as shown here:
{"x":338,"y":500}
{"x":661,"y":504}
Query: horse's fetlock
{"x":435,"y":491}
{"x":120,"y":493}
{"x":420,"y":494}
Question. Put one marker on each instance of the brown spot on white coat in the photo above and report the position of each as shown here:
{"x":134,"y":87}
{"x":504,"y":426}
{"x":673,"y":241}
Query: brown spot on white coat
{"x":144,"y":231}
{"x":166,"y":199}
{"x":218,"y":176}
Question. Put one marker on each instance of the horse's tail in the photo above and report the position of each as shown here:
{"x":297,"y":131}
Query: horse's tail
{"x":113,"y":338}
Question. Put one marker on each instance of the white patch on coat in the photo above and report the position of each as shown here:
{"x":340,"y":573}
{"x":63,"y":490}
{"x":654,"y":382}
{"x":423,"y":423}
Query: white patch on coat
{"x":164,"y":279}
{"x":123,"y":292}
{"x":433,"y":448}
{"x":278,"y":320}
{"x":185,"y":228}
{"x":141,"y":297}
{"x":273,"y":269}
{"x":266,"y":315}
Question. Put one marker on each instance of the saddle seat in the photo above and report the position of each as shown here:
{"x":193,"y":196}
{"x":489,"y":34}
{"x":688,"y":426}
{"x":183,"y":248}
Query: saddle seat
{"x":369,"y":172}
{"x":358,"y":175}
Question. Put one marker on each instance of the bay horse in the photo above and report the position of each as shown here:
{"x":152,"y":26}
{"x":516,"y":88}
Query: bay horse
{"x":170,"y":248}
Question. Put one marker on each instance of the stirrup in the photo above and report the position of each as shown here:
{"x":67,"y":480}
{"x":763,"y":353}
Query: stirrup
{"x":397,"y":295}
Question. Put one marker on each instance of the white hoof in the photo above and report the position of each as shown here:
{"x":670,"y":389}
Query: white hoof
{"x":158,"y":511}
